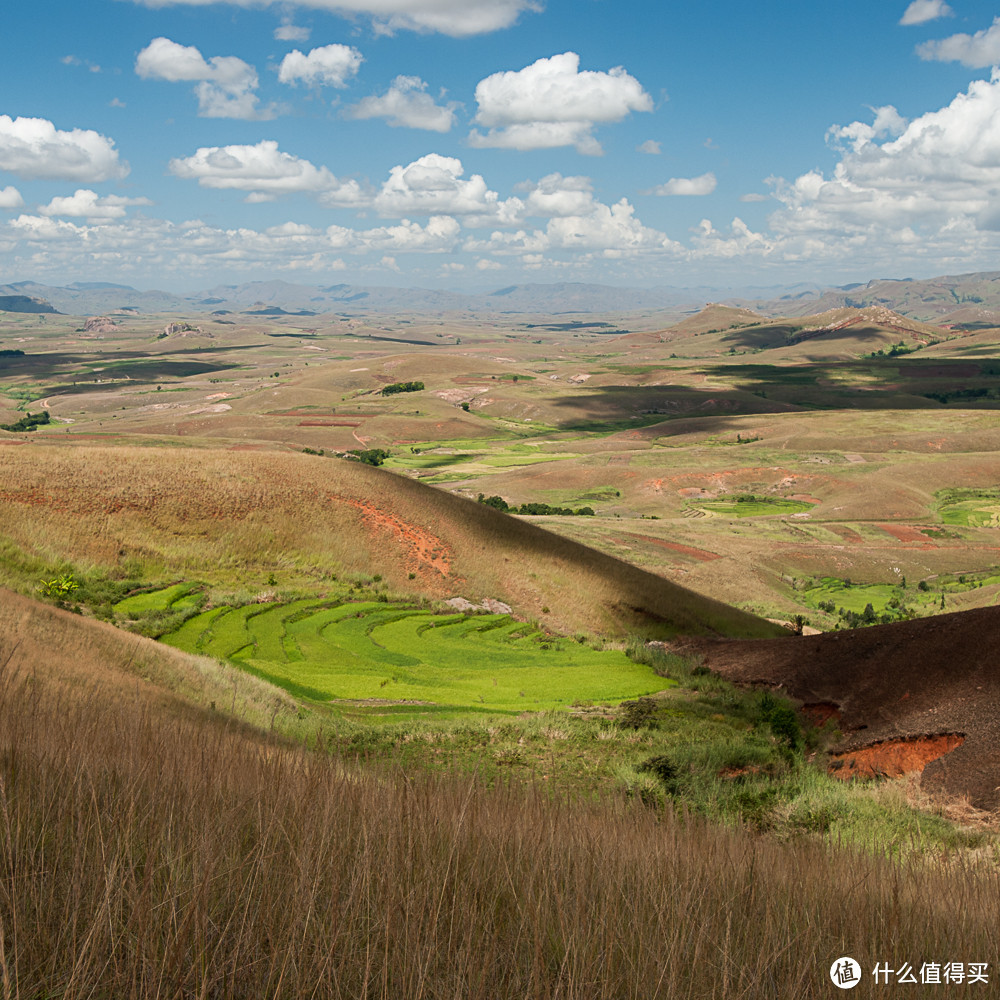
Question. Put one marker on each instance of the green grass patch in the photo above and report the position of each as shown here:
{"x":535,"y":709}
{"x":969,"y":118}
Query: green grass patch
{"x":178,"y":597}
{"x":752,"y":506}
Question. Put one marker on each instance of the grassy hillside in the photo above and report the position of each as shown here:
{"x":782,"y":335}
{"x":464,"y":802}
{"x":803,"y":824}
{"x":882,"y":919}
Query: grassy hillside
{"x":242,"y":519}
{"x":152,"y":850}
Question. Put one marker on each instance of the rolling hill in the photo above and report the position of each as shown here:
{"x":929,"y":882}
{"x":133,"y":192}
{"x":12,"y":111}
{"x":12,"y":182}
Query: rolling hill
{"x":234,"y":517}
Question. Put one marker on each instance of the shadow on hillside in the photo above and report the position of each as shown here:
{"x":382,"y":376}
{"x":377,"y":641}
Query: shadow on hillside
{"x":901,"y":383}
{"x":618,"y":408}
{"x":789,"y":334}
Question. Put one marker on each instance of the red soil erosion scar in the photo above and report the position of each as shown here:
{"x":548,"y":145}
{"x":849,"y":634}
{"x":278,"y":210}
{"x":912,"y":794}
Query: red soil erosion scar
{"x":893,"y":758}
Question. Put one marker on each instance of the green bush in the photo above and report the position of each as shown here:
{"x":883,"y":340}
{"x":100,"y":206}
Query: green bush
{"x":370,"y":456}
{"x":391,"y":390}
{"x":28,"y":422}
{"x":638,"y":714}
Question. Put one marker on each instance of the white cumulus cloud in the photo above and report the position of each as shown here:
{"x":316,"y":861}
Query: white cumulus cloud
{"x":932,"y":189}
{"x":265,"y":172}
{"x":10,"y":198}
{"x":589,"y":226}
{"x":224,"y":85}
{"x":435,"y":185}
{"x":86,"y":204}
{"x":35,"y":148}
{"x":651,"y":147}
{"x":922,"y":11}
{"x":555,"y":196}
{"x":689,"y":186}
{"x":406,"y":104}
{"x":976,"y":51}
{"x":329,"y":65}
{"x":551,"y":103}
{"x":459,"y":18}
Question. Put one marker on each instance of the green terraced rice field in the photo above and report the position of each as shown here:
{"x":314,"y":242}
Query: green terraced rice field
{"x":758,"y":507}
{"x":325,"y":650}
{"x":970,"y":508}
{"x":179,"y":597}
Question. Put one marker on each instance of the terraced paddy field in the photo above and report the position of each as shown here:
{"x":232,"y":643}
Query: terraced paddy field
{"x":376,"y":652}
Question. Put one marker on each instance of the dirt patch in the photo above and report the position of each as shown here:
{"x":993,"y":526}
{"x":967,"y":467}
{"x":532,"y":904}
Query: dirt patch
{"x":329,"y":423}
{"x":892,"y":758}
{"x":702,"y":555}
{"x":424,"y":549}
{"x":820,"y":712}
{"x":848,"y":534}
{"x":906,"y":533}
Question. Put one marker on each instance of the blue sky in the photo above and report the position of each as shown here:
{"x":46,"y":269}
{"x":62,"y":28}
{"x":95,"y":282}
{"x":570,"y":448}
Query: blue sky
{"x":476,"y":143}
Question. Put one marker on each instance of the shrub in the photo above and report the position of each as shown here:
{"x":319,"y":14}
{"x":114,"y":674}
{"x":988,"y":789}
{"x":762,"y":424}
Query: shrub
{"x":664,"y":769}
{"x":391,"y":390}
{"x":494,"y":501}
{"x":370,"y":456}
{"x":638,"y":714}
{"x":28,"y":422}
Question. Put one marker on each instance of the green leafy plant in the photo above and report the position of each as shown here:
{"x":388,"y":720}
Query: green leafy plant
{"x":60,"y":587}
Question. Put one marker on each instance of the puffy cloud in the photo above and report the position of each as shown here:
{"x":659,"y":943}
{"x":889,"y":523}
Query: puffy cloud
{"x":439,"y":235}
{"x":265,"y":172}
{"x":689,"y":186}
{"x":650,"y":147}
{"x":612,"y":230}
{"x":332,"y":65}
{"x":887,"y":122}
{"x":742,"y":241}
{"x":156,"y":247}
{"x":86,"y":204}
{"x":10,"y":198}
{"x":434,"y":185}
{"x":753,"y":196}
{"x":922,"y":11}
{"x":551,"y":103}
{"x":458,"y":18}
{"x":225,"y":85}
{"x":555,"y":196}
{"x":406,"y":104}
{"x":976,"y":51}
{"x":35,"y":148}
{"x":932,"y":189}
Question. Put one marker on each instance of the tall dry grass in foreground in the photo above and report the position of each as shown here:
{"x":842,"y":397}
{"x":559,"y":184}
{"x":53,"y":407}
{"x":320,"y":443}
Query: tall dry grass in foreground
{"x":143,"y":855}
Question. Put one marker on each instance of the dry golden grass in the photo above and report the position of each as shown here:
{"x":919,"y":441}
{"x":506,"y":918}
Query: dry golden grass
{"x":86,"y":658}
{"x":145,"y":855}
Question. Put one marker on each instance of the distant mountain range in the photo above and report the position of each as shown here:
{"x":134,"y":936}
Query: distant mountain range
{"x":970,"y":297}
{"x":930,"y":300}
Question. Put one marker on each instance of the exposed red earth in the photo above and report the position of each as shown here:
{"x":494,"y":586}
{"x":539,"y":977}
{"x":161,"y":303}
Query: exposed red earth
{"x":905,"y":694}
{"x":893,"y":758}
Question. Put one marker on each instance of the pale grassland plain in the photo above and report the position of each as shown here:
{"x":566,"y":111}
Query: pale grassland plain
{"x":741,"y":408}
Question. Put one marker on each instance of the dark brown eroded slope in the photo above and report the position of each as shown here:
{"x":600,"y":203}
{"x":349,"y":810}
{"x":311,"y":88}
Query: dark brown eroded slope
{"x":932,"y":676}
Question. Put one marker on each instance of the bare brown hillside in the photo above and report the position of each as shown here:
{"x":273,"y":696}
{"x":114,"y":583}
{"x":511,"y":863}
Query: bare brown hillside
{"x":929,"y":677}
